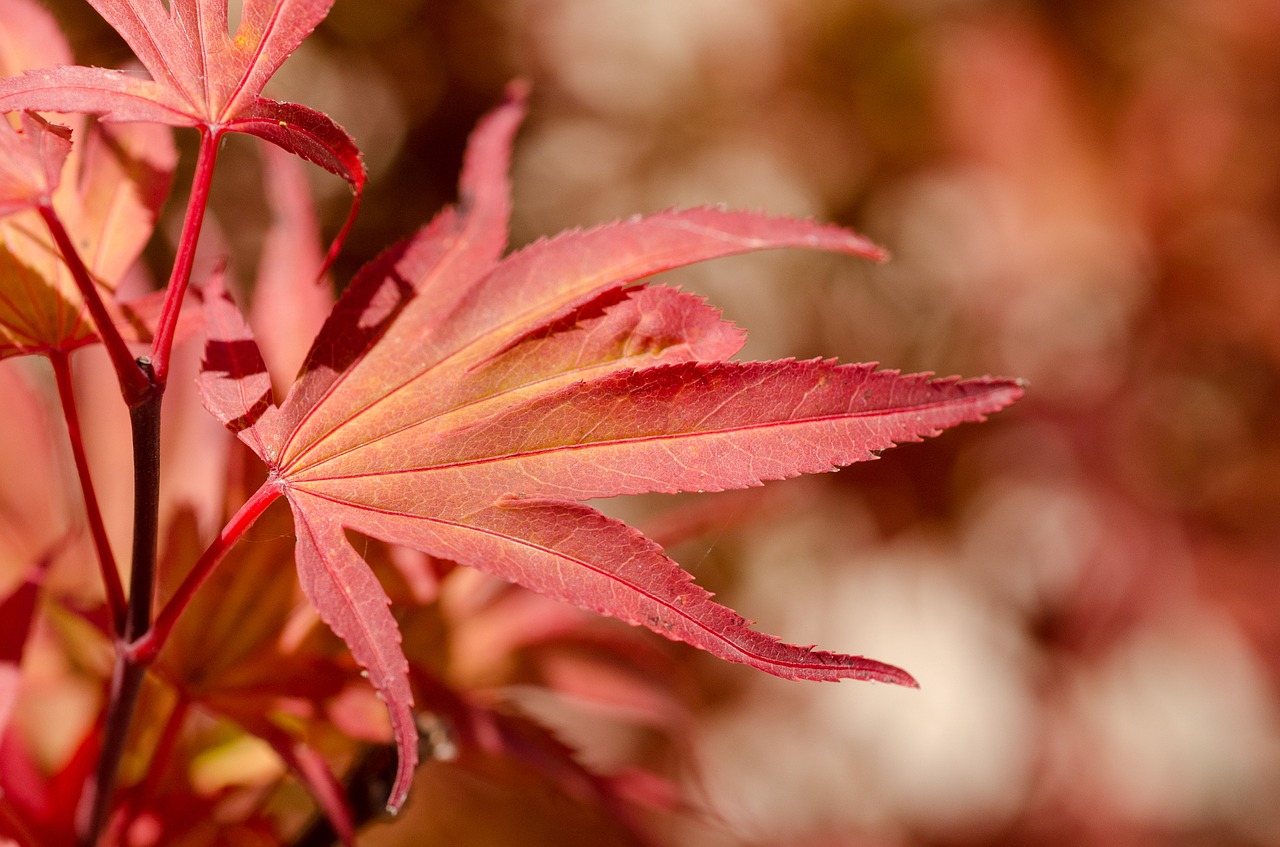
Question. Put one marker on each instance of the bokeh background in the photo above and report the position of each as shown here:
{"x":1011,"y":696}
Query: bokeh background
{"x":1080,"y":193}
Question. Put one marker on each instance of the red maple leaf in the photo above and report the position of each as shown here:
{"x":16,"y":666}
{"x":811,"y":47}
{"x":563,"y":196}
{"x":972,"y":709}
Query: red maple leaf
{"x":201,"y":76}
{"x":465,"y":404}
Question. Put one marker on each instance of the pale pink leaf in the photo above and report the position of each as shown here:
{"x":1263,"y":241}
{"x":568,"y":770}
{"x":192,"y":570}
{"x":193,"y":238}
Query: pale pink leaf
{"x":17,"y":614}
{"x":125,"y":174}
{"x":29,"y":37}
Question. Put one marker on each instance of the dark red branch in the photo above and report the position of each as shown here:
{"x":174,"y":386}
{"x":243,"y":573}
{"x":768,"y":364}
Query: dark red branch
{"x":133,"y":383}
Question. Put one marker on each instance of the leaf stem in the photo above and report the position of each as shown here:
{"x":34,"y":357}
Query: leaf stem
{"x":144,"y":649}
{"x":162,"y":344}
{"x":133,"y":382}
{"x":106,"y":560}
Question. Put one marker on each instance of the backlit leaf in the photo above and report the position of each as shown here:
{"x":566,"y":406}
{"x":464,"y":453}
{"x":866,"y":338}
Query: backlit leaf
{"x":466,"y":406}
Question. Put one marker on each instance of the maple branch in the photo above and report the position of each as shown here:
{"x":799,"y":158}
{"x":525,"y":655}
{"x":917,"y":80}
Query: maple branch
{"x":162,"y":344}
{"x":91,"y":813}
{"x":98,"y":531}
{"x":145,"y":649}
{"x":127,"y":674}
{"x":143,"y":641}
{"x":133,"y":382}
{"x":145,"y":420}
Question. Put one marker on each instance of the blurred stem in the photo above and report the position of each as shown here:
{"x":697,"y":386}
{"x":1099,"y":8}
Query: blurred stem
{"x":133,"y":382}
{"x":91,"y":814}
{"x":143,"y":642}
{"x":180,"y":277}
{"x":368,"y":785}
{"x":14,"y":827}
{"x":163,"y":750}
{"x":106,"y":560}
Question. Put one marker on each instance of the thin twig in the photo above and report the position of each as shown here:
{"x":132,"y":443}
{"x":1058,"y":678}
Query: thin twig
{"x":93,"y":514}
{"x":133,"y":383}
{"x":180,"y":277}
{"x":144,"y":650}
{"x":126,"y":676}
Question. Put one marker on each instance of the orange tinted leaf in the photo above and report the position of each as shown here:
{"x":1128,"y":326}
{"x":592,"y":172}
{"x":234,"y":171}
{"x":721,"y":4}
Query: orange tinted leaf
{"x":37,"y":315}
{"x":114,"y":185}
{"x":694,"y":426}
{"x":420,"y":276}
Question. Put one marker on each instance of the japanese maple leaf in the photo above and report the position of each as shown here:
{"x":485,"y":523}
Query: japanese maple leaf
{"x":109,"y":205}
{"x":201,"y":76}
{"x":466,"y":405}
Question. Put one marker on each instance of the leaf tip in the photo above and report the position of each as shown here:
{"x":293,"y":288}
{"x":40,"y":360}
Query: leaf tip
{"x":406,"y":765}
{"x":1012,"y":390}
{"x":870,"y":670}
{"x":335,"y":246}
{"x":906,"y":680}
